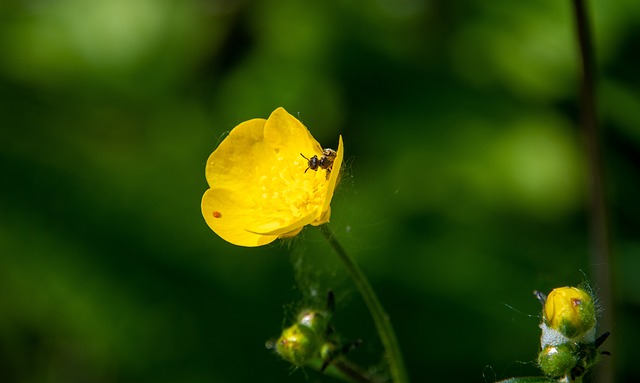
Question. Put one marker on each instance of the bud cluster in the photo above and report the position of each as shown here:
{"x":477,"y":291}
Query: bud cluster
{"x":568,"y":344}
{"x":306,"y":339}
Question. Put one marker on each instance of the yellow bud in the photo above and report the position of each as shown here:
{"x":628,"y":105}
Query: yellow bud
{"x":570,"y":310}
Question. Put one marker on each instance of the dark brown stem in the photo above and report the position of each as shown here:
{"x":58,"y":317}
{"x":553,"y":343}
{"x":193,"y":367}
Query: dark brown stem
{"x":353,"y":373}
{"x":601,"y":252}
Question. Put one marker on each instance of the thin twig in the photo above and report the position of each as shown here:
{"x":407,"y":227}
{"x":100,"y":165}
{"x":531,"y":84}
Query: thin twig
{"x":601,"y":252}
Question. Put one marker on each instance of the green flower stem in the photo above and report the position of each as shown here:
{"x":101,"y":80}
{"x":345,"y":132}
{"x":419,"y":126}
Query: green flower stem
{"x":380,"y":317}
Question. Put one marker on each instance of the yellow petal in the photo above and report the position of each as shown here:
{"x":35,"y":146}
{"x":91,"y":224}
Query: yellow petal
{"x":292,"y":233}
{"x":288,"y":137}
{"x":227,"y":214}
{"x":234,"y":161}
{"x":276,"y":228}
{"x":324,"y":218}
{"x":333,"y":181}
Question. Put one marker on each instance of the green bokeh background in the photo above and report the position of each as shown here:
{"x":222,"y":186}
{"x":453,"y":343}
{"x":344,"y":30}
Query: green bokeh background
{"x":464,"y":188}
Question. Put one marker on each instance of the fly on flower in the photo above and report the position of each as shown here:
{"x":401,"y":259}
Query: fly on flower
{"x":324,"y":162}
{"x":256,"y":193}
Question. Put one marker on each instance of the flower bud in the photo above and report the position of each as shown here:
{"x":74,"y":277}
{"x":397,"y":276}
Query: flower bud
{"x":328,"y":351}
{"x":570,"y":311}
{"x":555,"y":361}
{"x":317,"y":321}
{"x":298,"y":344}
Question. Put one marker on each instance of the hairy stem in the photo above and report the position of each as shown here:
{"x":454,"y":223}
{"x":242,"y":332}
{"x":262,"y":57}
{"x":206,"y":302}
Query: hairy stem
{"x":380,"y":317}
{"x":601,"y":255}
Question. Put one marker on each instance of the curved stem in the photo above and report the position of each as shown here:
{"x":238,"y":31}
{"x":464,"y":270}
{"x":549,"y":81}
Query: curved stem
{"x":380,"y":317}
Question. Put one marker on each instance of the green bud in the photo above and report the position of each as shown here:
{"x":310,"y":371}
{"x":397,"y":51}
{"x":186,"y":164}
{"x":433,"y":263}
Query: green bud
{"x":317,"y":321}
{"x":302,"y":341}
{"x":558,"y":360}
{"x":298,"y":344}
{"x":328,"y":351}
{"x":311,"y":339}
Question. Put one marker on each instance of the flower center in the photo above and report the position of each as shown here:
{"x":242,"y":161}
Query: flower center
{"x":286,"y":193}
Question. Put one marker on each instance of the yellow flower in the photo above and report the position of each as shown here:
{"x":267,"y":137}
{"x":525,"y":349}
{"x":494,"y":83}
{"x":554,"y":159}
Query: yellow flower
{"x":260,"y":186}
{"x":570,"y":310}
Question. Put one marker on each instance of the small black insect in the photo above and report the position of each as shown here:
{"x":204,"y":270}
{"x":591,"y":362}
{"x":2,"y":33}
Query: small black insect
{"x":324,"y":162}
{"x":313,"y":162}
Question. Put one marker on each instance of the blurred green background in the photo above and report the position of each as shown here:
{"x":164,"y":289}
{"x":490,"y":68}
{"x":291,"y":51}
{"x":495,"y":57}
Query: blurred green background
{"x":464,"y":188}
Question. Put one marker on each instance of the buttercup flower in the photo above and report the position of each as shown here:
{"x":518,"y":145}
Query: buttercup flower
{"x":261,"y":186}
